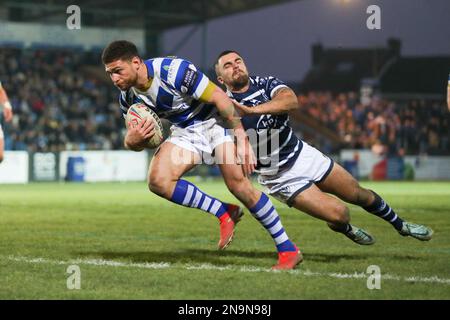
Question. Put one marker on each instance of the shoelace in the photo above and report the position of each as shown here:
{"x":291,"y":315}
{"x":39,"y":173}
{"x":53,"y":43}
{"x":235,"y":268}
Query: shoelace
{"x":360,"y":234}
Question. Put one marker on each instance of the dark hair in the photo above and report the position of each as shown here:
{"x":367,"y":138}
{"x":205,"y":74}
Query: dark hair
{"x":119,"y":50}
{"x":224,"y":53}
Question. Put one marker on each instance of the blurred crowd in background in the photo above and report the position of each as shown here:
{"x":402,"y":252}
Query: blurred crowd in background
{"x":56,"y":106}
{"x":387,"y":127}
{"x":59,"y":105}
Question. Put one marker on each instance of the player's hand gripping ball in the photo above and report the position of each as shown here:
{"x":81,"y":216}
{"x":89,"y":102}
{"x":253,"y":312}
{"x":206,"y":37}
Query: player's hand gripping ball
{"x":138,"y":112}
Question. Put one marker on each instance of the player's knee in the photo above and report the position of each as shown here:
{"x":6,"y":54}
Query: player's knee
{"x":1,"y":157}
{"x":341,"y":215}
{"x":158,"y":184}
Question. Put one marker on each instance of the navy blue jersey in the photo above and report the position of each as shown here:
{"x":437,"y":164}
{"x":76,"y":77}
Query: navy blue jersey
{"x":276,"y":146}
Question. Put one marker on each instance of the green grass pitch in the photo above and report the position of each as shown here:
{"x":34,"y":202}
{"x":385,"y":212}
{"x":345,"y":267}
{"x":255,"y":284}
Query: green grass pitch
{"x":130,"y":244}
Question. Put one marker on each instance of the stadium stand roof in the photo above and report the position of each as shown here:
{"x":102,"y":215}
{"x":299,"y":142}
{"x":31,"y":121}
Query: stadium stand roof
{"x":416,"y":75}
{"x":153,"y":16}
{"x":159,"y":14}
{"x":346,"y":69}
{"x":342,"y":69}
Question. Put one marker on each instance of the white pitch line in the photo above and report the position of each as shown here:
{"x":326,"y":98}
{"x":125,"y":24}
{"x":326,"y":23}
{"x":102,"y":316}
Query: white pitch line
{"x":207,"y":266}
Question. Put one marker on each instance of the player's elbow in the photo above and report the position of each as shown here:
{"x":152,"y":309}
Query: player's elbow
{"x":293,"y":104}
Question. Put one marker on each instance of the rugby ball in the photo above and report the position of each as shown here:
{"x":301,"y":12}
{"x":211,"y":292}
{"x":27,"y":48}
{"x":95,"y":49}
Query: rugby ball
{"x":138,"y":112}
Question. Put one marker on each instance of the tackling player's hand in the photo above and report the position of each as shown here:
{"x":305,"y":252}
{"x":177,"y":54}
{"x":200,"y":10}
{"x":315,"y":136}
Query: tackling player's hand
{"x":8,"y":114}
{"x":246,"y":156}
{"x":137,"y":135}
{"x":241,"y":109}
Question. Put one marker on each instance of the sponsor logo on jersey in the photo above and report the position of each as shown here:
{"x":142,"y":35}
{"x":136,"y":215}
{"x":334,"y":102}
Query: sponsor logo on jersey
{"x":189,"y":78}
{"x":265,"y":122}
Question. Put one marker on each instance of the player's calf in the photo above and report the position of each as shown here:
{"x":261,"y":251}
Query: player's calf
{"x":362,"y":197}
{"x":243,"y":190}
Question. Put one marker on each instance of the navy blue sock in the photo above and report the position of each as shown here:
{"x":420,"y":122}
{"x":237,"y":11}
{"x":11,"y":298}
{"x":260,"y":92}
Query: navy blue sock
{"x":346,"y":228}
{"x":381,"y":209}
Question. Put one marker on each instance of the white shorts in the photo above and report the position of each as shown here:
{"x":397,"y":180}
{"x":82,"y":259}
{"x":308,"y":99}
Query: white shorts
{"x":311,"y":166}
{"x":202,"y":137}
{"x":2,"y":136}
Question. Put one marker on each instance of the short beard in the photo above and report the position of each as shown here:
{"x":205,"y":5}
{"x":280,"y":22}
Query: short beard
{"x":131,"y":83}
{"x":240,"y":82}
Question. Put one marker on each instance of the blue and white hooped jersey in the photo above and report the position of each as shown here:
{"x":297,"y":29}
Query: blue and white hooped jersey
{"x":277,"y":145}
{"x":176,"y":91}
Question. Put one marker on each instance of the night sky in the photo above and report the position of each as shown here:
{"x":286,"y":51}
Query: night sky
{"x":277,"y":40}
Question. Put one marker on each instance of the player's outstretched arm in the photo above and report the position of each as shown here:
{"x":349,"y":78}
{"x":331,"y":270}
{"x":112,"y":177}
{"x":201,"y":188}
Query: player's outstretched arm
{"x":225,"y":106}
{"x":283,"y":101}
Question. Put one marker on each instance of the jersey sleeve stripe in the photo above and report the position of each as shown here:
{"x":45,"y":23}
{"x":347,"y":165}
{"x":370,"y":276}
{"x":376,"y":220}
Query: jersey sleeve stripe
{"x":276,"y":89}
{"x":200,"y":86}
